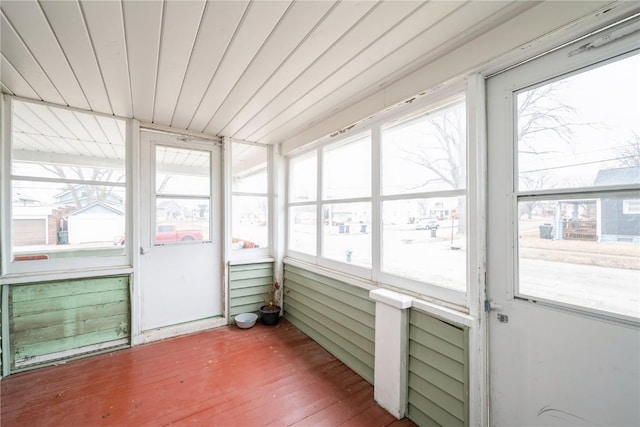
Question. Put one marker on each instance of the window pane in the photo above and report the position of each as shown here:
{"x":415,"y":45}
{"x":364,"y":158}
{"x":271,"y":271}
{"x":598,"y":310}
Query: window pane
{"x":76,"y":205}
{"x":347,"y":169}
{"x":181,"y":220}
{"x":578,"y":131}
{"x":427,"y":153}
{"x":54,"y":220}
{"x":302,"y":229}
{"x":250,"y":222}
{"x":249,"y":168}
{"x":346,"y":233}
{"x":303,"y":175}
{"x":425,"y":240}
{"x":50,"y":142}
{"x":583,"y":252}
{"x":182,"y":171}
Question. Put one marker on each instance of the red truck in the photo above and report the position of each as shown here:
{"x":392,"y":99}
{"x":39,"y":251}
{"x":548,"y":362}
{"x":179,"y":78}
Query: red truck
{"x":169,"y":233}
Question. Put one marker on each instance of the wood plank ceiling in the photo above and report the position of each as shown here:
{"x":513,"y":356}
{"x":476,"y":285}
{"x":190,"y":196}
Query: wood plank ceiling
{"x":252,"y":70}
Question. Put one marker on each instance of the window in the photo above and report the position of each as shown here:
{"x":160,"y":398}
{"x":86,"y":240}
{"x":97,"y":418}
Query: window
{"x":68,"y":185}
{"x":250,"y":196}
{"x":183,"y":195}
{"x":424,"y":197}
{"x":347,"y":169}
{"x":303,"y":174}
{"x":346,"y":182}
{"x":403,"y":224}
{"x":631,"y":207}
{"x":342,"y":215}
{"x":578,"y":189}
{"x":345,"y":233}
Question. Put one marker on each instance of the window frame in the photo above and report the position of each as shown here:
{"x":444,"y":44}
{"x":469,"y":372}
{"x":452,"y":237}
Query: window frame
{"x":582,"y":64}
{"x":60,"y":266}
{"x":473,"y":191}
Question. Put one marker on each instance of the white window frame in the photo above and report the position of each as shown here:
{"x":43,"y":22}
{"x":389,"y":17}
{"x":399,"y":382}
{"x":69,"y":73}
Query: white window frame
{"x":240,"y":255}
{"x":474,"y":192}
{"x":60,"y":267}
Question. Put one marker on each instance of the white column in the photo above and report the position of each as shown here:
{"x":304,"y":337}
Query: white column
{"x":391,"y":348}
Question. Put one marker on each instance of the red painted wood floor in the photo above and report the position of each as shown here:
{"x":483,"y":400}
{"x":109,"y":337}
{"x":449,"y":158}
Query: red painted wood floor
{"x":266,"y":375}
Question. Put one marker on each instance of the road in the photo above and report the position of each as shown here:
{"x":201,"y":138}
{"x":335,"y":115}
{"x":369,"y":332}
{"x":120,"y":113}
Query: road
{"x":608,"y":289}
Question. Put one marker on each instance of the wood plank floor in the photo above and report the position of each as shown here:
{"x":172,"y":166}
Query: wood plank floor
{"x":266,"y":375}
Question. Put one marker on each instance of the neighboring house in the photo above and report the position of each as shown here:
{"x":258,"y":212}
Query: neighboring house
{"x":86,"y":197}
{"x":619,"y":218}
{"x":98,"y":222}
{"x":170,"y":210}
{"x":21,"y":199}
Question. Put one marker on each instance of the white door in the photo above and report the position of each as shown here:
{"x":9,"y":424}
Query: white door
{"x":564,"y":237}
{"x":181,"y":256}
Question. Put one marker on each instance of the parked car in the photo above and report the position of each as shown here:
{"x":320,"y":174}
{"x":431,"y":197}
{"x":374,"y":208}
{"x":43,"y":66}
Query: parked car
{"x":427,"y":224}
{"x":168,"y":233}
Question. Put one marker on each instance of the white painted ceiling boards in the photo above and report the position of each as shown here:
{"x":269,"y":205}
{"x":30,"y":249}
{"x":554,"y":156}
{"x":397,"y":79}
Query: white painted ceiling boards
{"x":252,"y":70}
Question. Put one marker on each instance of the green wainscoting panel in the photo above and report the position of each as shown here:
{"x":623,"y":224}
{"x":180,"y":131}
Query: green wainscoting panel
{"x":51,"y":319}
{"x":249,"y":286}
{"x":438,"y":372}
{"x":338,"y":316}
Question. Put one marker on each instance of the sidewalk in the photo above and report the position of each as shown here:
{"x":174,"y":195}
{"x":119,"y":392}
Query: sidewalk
{"x":603,"y":254}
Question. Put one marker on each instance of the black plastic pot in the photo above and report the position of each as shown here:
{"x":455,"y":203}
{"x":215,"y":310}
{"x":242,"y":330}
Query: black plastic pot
{"x":269,"y":315}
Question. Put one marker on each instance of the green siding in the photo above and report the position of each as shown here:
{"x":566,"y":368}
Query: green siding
{"x":54,"y":317}
{"x":249,"y":286}
{"x":438,"y":372}
{"x":1,"y":331}
{"x":338,"y":316}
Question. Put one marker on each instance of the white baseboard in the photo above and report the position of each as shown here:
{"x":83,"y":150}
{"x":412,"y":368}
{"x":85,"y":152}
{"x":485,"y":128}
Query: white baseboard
{"x":158,"y":334}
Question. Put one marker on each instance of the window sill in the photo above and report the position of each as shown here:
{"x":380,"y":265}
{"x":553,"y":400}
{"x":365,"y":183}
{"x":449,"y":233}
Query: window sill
{"x":32,"y":277}
{"x":246,"y":261}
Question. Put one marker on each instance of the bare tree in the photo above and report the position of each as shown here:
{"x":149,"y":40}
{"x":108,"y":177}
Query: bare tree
{"x":629,"y":154}
{"x":541,"y":111}
{"x":86,"y":193}
{"x":445,"y":154}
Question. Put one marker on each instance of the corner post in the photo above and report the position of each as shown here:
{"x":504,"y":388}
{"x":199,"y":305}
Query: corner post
{"x":391,"y":348}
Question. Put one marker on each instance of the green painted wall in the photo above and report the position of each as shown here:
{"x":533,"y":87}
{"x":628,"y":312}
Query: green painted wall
{"x":438,"y":372}
{"x":53,"y":317}
{"x":249,"y":285}
{"x":338,"y":316}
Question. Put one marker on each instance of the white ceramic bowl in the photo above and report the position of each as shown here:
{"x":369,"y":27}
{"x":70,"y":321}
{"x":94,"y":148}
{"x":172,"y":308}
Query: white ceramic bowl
{"x":246,"y":320}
